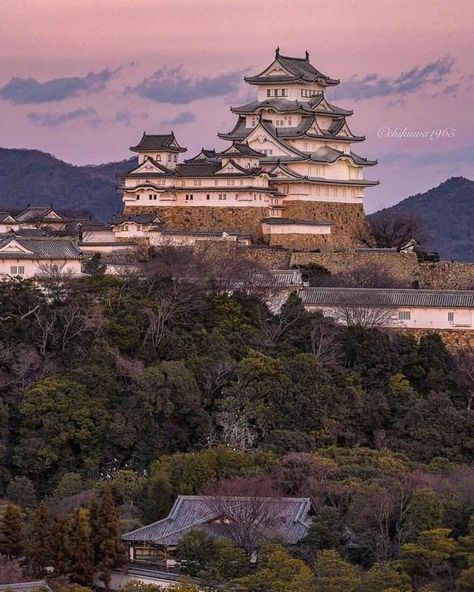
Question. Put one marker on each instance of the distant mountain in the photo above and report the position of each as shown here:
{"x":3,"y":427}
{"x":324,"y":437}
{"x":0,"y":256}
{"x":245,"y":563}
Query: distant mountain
{"x":36,"y":178}
{"x":447,"y":213}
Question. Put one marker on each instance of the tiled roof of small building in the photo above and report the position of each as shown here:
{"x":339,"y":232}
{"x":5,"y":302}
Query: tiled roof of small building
{"x":24,"y":586}
{"x":138,"y":218}
{"x":290,"y":519}
{"x":286,"y":221}
{"x":40,"y":247}
{"x":242,"y":149}
{"x":35,"y":213}
{"x":158,"y":142}
{"x":389,"y":298}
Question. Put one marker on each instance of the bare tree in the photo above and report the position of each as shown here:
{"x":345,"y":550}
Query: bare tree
{"x":248,"y":510}
{"x":389,"y":229}
{"x":325,"y":344}
{"x":363,"y":316}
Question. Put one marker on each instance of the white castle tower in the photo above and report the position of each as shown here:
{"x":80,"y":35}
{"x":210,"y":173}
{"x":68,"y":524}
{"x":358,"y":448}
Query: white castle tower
{"x":290,"y":176}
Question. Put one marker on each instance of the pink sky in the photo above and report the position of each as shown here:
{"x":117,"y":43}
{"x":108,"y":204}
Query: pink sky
{"x":124,"y":42}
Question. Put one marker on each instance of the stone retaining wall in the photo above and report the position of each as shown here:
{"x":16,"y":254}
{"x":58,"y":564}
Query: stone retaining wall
{"x":454,"y":339}
{"x":447,"y":275}
{"x":404,"y":267}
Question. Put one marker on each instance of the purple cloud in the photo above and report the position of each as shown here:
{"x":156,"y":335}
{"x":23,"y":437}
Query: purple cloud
{"x":57,"y":119}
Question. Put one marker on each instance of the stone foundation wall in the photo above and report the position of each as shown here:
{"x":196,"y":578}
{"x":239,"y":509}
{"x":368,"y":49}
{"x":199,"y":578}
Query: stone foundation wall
{"x":404,"y":267}
{"x":448,"y":276}
{"x":347,"y":219}
{"x":453,"y":339}
{"x":241,"y":219}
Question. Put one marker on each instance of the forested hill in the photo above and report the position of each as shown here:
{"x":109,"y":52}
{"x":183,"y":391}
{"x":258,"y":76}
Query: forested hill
{"x":447,"y":213}
{"x":36,"y":178}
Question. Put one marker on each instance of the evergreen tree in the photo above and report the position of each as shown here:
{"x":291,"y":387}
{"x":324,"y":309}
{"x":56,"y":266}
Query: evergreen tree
{"x":11,"y":525}
{"x":107,"y":546}
{"x":81,"y":554}
{"x":40,"y":546}
{"x":59,"y":545}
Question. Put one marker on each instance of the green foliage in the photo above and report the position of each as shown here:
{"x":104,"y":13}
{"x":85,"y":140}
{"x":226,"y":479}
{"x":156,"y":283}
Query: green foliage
{"x":11,"y":532}
{"x":195,"y":553}
{"x":426,"y":512}
{"x":385,"y":577}
{"x":81,"y":551}
{"x":277,"y":572}
{"x":21,"y":492}
{"x":333,"y":574}
{"x":41,"y":540}
{"x":107,"y":547}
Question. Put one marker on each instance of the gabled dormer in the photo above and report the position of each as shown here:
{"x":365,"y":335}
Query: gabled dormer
{"x":231,"y":168}
{"x":14,"y":247}
{"x":263,"y":138}
{"x":149,"y":166}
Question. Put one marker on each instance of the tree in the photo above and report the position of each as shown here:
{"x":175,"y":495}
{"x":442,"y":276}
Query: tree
{"x":333,"y":574}
{"x":11,"y":531}
{"x":40,"y":540}
{"x":21,"y":492}
{"x":81,"y":552}
{"x":431,"y":556}
{"x":277,"y":572}
{"x":425,"y":512}
{"x":389,"y":229}
{"x":158,"y":499}
{"x":195,"y":553}
{"x":107,"y":545}
{"x":385,"y":577}
{"x":465,"y":368}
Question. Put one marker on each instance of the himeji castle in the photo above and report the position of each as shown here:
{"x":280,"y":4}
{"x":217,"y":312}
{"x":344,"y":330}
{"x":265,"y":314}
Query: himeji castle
{"x":289,"y":176}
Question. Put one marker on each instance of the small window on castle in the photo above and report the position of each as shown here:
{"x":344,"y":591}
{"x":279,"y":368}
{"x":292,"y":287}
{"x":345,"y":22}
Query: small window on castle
{"x":450,"y":317}
{"x":175,"y":158}
{"x":208,"y":196}
{"x":169,"y":157}
{"x":254,"y":122}
{"x":150,"y":196}
{"x":269,"y":93}
{"x":157,"y":157}
{"x":404,"y":315}
{"x":126,"y":227}
{"x":284,"y":92}
{"x":13,"y":270}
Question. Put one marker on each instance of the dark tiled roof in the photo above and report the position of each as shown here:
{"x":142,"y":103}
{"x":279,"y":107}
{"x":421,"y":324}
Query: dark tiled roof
{"x":241,"y":149}
{"x":24,"y":586}
{"x":138,"y":218}
{"x":282,"y":105}
{"x":36,"y":213}
{"x":389,"y":298}
{"x":197,"y":169}
{"x":158,"y":142}
{"x":41,"y":248}
{"x":204,"y":154}
{"x":290,"y":519}
{"x":298,"y":68}
{"x":284,"y":221}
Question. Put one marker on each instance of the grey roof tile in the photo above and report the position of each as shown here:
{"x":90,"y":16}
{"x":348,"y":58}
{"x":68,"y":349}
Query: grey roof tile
{"x":389,"y":298}
{"x":198,"y":512}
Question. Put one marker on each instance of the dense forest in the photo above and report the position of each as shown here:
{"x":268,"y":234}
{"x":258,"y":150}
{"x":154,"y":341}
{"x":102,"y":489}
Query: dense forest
{"x":119,"y":393}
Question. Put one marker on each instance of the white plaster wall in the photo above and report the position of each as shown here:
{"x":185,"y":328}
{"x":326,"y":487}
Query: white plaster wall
{"x":295,"y":229}
{"x":425,"y":318}
{"x":32,"y":266}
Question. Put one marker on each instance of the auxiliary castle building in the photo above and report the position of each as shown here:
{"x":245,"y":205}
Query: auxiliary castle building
{"x":289,"y":176}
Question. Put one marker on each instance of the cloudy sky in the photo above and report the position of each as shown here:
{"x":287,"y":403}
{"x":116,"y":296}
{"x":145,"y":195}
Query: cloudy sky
{"x":82,"y":79}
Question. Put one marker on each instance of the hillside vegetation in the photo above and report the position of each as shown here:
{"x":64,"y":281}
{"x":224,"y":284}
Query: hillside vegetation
{"x":159,"y":387}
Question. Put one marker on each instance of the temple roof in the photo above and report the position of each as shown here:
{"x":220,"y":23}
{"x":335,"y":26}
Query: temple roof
{"x":204,"y":154}
{"x":290,"y":519}
{"x":294,"y":70}
{"x":138,"y":218}
{"x":282,"y":105}
{"x":158,"y":142}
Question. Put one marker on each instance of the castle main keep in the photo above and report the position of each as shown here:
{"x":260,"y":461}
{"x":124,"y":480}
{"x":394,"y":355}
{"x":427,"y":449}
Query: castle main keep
{"x":289,"y":176}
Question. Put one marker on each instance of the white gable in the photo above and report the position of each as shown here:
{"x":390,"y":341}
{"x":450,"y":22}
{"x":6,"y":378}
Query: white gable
{"x":14,"y":247}
{"x":147,"y":167}
{"x":229,"y":168}
{"x":275,"y":69}
{"x":8,"y":220}
{"x":259,"y":139}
